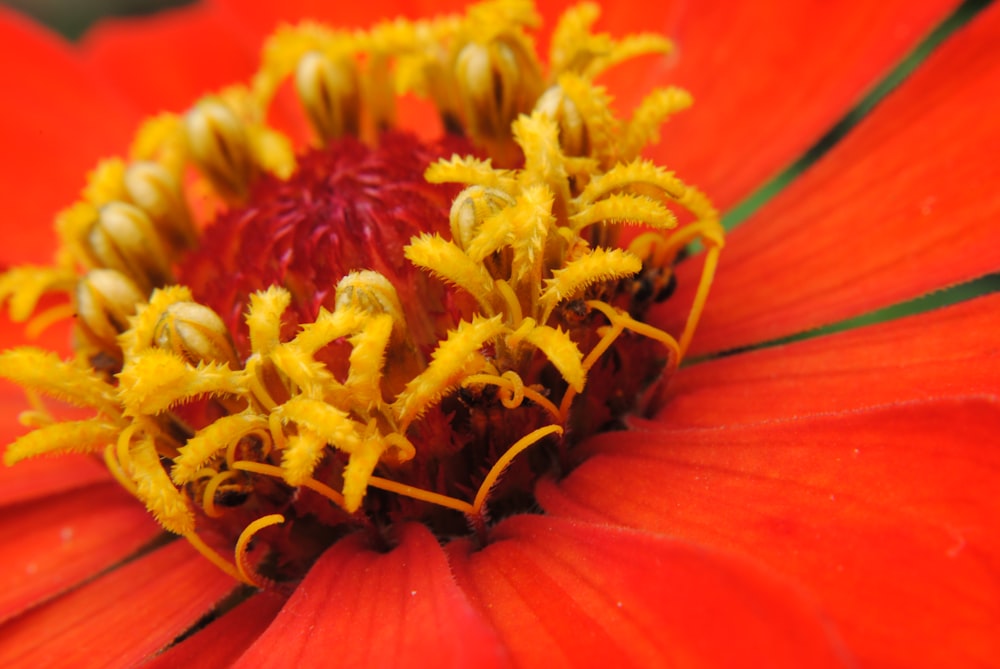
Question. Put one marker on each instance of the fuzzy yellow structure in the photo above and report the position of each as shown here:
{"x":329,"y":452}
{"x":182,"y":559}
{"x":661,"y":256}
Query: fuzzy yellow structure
{"x":533,"y":229}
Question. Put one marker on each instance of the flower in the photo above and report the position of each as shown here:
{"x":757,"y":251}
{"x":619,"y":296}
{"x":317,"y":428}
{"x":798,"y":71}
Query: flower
{"x":848,"y":515}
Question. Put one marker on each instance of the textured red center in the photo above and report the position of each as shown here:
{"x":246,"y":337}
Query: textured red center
{"x":348,"y":207}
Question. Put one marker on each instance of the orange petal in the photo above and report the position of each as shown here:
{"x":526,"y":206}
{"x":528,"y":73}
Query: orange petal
{"x":36,"y":479}
{"x":55,"y":543}
{"x":58,"y":120}
{"x":55,"y":337}
{"x":262,"y":16}
{"x":168,"y":61}
{"x":221,"y":642}
{"x":120,"y":618}
{"x":564,"y":593}
{"x":33,"y":479}
{"x":904,"y":205}
{"x":769,"y":79}
{"x":887,"y":516}
{"x":369,"y":609}
{"x":942,"y":353}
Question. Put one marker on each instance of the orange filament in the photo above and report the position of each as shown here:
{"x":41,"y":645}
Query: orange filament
{"x":208,"y":499}
{"x":512,"y":383}
{"x":121,"y":456}
{"x":272,"y":470}
{"x":247,"y":574}
{"x":638,"y":327}
{"x":265,"y":438}
{"x":420,"y":494}
{"x":701,"y":295}
{"x":114,"y":466}
{"x":510,"y":300}
{"x":609,"y":336}
{"x":498,"y":468}
{"x":620,"y":321}
{"x":232,"y":570}
{"x":708,"y":232}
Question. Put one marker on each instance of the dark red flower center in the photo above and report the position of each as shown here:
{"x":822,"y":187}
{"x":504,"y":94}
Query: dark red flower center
{"x":355,"y":207}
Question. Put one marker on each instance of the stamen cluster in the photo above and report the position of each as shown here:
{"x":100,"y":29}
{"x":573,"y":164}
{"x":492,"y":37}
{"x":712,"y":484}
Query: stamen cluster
{"x":371,"y":402}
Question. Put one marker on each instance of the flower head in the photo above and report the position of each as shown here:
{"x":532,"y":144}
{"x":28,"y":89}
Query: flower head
{"x":317,"y":358}
{"x":351,"y":321}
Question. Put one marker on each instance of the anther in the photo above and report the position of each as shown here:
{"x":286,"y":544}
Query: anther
{"x":371,"y":292}
{"x":220,"y":146}
{"x":152,"y":188}
{"x":496,"y":82}
{"x":378,"y":365}
{"x":472,"y":206}
{"x":123,"y":238}
{"x":196,"y":334}
{"x":105,"y":299}
{"x":573,"y":137}
{"x":330,"y":93}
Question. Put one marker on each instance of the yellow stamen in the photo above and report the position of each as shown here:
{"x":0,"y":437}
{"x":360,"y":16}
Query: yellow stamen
{"x":84,"y":436}
{"x":222,"y":434}
{"x":330,"y":93}
{"x":196,"y":334}
{"x":220,"y":144}
{"x":123,"y":238}
{"x":151,"y":187}
{"x":374,"y":384}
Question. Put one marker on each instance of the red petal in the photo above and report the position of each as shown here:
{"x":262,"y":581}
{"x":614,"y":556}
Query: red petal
{"x":941,"y":353}
{"x":563,"y":593}
{"x":58,"y":542}
{"x":38,"y":478}
{"x":169,"y":61}
{"x":42,"y":476}
{"x":58,"y":119}
{"x":769,"y":78}
{"x":368,"y":609}
{"x":120,"y":618}
{"x":904,"y":205}
{"x":220,"y":643}
{"x":55,"y":338}
{"x":887,"y":516}
{"x":262,"y":16}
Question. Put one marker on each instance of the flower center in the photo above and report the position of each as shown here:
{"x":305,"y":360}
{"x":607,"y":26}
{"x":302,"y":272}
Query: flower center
{"x":369,"y":332}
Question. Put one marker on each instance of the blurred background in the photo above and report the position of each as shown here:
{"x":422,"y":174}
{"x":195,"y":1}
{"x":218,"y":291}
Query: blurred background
{"x":72,"y":17}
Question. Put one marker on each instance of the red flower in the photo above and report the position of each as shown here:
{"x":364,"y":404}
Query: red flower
{"x":829,"y":501}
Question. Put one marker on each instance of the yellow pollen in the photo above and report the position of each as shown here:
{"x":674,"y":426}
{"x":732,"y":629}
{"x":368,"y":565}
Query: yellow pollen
{"x":356,"y":406}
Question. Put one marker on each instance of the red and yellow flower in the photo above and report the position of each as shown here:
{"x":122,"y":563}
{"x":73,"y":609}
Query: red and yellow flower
{"x":826,"y":501}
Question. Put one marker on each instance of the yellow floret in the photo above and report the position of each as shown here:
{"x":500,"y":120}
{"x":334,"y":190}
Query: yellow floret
{"x":81,"y":436}
{"x":455,"y":358}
